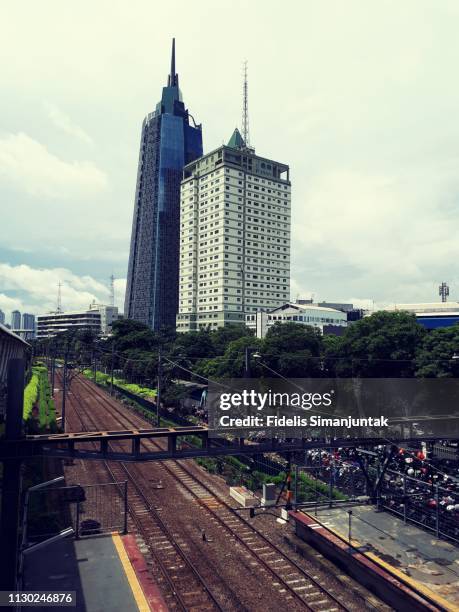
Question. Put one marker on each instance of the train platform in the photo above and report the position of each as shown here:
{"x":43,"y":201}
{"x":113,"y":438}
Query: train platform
{"x":411,"y":555}
{"x":107,"y":572}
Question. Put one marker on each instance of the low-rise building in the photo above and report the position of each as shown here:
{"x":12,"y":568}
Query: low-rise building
{"x":430,"y":314}
{"x":304,"y":314}
{"x":97,"y":318}
{"x":108,"y":314}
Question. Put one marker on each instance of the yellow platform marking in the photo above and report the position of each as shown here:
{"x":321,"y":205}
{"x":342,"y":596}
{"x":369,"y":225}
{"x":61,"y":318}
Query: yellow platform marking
{"x":435,"y":597}
{"x":441,"y":601}
{"x":136,"y":589}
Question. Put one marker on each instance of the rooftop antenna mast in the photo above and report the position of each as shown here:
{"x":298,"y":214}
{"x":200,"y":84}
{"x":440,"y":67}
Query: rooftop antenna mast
{"x":59,"y":297}
{"x":245,"y":108}
{"x":443,"y":291}
{"x":112,"y":290}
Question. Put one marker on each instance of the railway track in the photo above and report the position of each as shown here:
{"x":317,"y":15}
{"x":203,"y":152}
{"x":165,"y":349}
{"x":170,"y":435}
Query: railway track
{"x":192,"y":591}
{"x":291,"y":580}
{"x":189,"y":588}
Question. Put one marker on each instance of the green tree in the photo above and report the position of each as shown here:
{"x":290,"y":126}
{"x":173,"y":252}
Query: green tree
{"x":438,"y":354}
{"x":222,"y":336}
{"x":382,"y":345}
{"x":293,"y":350}
{"x":232,"y":363}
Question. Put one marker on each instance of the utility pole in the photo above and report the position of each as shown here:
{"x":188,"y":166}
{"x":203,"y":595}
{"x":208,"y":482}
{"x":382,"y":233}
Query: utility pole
{"x":11,"y":487}
{"x":158,"y":391}
{"x":247,"y":371}
{"x":64,"y":385}
{"x":249,"y":351}
{"x":95,"y":365}
{"x":112,"y":366}
{"x":53,"y":370}
{"x":288,"y":505}
{"x":350,"y":526}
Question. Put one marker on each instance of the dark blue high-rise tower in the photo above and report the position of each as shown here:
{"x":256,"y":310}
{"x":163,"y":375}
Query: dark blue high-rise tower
{"x":167,"y":144}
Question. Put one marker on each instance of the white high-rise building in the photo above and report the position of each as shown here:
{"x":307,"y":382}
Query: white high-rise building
{"x":234,"y":237}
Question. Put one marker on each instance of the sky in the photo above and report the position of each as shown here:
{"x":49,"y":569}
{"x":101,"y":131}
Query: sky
{"x":360,"y":98}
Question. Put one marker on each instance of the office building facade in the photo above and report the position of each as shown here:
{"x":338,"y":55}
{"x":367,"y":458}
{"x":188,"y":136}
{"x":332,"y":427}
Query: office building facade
{"x":322,"y":317}
{"x":97,"y":318}
{"x":168,"y":142}
{"x":2,"y":317}
{"x":234,"y":237}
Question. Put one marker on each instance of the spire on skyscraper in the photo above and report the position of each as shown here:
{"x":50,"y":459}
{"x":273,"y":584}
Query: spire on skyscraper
{"x":172,"y":79}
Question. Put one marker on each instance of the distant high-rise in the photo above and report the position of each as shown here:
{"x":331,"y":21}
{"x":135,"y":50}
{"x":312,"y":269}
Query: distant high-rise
{"x":2,"y":317}
{"x":235,"y":237}
{"x":168,"y":143}
{"x":28,"y":321}
{"x":15,"y":320}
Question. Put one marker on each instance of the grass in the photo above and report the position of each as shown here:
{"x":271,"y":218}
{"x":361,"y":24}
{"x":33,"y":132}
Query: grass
{"x":104,"y":379}
{"x":39,"y":411}
{"x":30,"y":395}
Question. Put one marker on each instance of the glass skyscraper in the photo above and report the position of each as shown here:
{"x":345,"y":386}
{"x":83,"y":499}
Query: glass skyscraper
{"x":168,"y":143}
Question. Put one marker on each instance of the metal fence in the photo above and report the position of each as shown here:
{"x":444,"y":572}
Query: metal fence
{"x":88,"y":509}
{"x":323,"y":478}
{"x":427,"y":504}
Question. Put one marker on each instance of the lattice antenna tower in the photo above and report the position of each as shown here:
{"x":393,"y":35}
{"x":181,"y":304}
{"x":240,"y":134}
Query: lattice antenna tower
{"x":59,"y":297}
{"x":112,"y":290}
{"x":245,"y":108}
{"x":443,"y":291}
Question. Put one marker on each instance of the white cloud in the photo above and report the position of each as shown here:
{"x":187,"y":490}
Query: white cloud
{"x":36,"y":289}
{"x":64,"y":123}
{"x":391,"y":232}
{"x":8,"y":304}
{"x":29,"y":166}
{"x":120,"y":291}
{"x":365,"y":126}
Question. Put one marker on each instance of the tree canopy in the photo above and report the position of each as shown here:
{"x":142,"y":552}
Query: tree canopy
{"x":385,"y":344}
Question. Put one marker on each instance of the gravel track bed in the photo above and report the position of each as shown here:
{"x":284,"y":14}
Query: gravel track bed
{"x":242,"y":584}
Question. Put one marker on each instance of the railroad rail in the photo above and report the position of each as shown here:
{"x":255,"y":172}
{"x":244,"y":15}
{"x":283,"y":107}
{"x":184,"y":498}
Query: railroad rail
{"x":299,"y":585}
{"x":188,"y":587}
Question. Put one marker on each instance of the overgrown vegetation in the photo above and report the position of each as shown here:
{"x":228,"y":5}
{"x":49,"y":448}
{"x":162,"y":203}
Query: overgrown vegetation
{"x":236,"y":472}
{"x":105,"y":379}
{"x":39,"y":411}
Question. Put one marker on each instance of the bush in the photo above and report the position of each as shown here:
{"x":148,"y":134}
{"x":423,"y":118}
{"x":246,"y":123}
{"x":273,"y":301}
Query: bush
{"x":38,"y":392}
{"x":30,"y":395}
{"x":105,"y":379}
